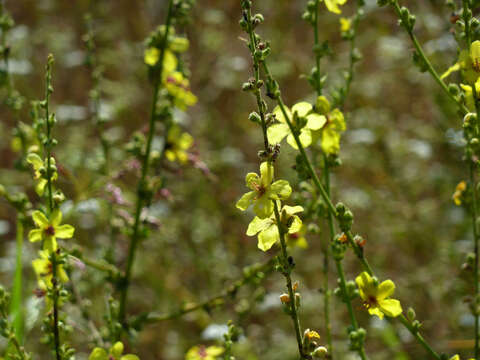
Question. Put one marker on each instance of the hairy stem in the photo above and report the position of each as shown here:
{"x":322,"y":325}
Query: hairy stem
{"x":53,"y":257}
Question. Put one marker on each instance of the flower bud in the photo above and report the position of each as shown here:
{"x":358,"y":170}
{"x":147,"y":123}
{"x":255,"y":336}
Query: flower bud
{"x":320,"y":352}
{"x":411,"y":314}
{"x":285,"y":298}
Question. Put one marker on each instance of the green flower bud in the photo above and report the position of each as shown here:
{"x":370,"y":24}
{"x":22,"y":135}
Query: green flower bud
{"x":322,"y":105}
{"x":254,"y":117}
{"x":411,"y":314}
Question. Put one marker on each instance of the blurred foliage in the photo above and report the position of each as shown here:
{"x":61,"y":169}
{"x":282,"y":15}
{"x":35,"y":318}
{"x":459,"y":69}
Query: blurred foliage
{"x":401,"y":159}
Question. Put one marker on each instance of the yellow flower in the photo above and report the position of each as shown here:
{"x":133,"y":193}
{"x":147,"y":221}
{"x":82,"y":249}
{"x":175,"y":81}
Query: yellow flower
{"x":264,"y":192}
{"x":311,"y":334}
{"x":376,"y":296}
{"x":114,"y":353}
{"x":44,"y":269}
{"x":302,"y":110}
{"x":468,"y":63}
{"x":332,"y":5}
{"x":201,"y":352}
{"x":468,"y":90}
{"x":177,"y":145}
{"x":152,"y":56}
{"x":457,"y":195}
{"x":332,"y":131}
{"x":49,"y":230}
{"x":267,"y":229}
{"x":345,"y":24}
{"x":40,"y":171}
{"x":297,"y":238}
{"x":179,"y":88}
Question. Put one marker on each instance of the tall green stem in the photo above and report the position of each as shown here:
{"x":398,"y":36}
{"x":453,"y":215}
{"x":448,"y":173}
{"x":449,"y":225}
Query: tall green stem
{"x":358,"y":251}
{"x":48,"y":148}
{"x":145,"y":166}
{"x":331,"y":228}
{"x":326,"y":260}
{"x":348,"y":302}
{"x":286,"y":271}
{"x":427,"y":62}
{"x":16,"y":305}
{"x":418,"y":336}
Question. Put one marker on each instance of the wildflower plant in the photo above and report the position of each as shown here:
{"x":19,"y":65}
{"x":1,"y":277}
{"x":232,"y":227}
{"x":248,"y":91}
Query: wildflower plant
{"x":281,"y":214}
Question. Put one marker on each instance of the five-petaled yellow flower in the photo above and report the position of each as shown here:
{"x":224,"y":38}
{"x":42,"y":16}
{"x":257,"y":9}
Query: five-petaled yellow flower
{"x":177,"y":145}
{"x":114,"y":353}
{"x":202,"y":352}
{"x":302,"y":110}
{"x":376,"y":296}
{"x":49,"y":229}
{"x":267,"y":229}
{"x":263,"y":191}
{"x":43,"y":267}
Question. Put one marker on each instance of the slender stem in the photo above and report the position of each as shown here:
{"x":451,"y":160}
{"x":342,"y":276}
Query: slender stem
{"x":427,"y":62}
{"x":285,"y":258}
{"x":256,"y":70}
{"x":48,"y":148}
{"x":352,"y":57}
{"x":98,"y":265}
{"x":358,"y":251}
{"x":286,"y":270}
{"x":348,"y":302}
{"x":472,"y":169}
{"x":250,"y":273}
{"x":18,"y":347}
{"x":418,"y":336}
{"x":16,"y":305}
{"x":331,"y":228}
{"x":476,"y":251}
{"x":145,"y":167}
{"x":317,"y":53}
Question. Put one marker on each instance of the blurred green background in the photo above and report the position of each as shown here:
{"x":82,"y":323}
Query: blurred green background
{"x":401,"y":162}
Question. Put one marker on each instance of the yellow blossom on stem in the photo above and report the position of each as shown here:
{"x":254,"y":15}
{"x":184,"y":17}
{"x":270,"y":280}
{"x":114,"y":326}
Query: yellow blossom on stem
{"x":333,"y":5}
{"x":114,"y":353}
{"x":152,"y":57}
{"x":178,"y":87}
{"x":345,"y":24}
{"x":301,"y":112}
{"x":468,"y":63}
{"x":297,"y":238}
{"x":43,"y":268}
{"x":177,"y":145}
{"x":49,"y":229}
{"x":40,"y":170}
{"x":264,"y":192}
{"x":457,"y":195}
{"x":376,"y":296}
{"x":311,"y":335}
{"x":201,"y":352}
{"x":267,"y":229}
{"x":332,"y":131}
